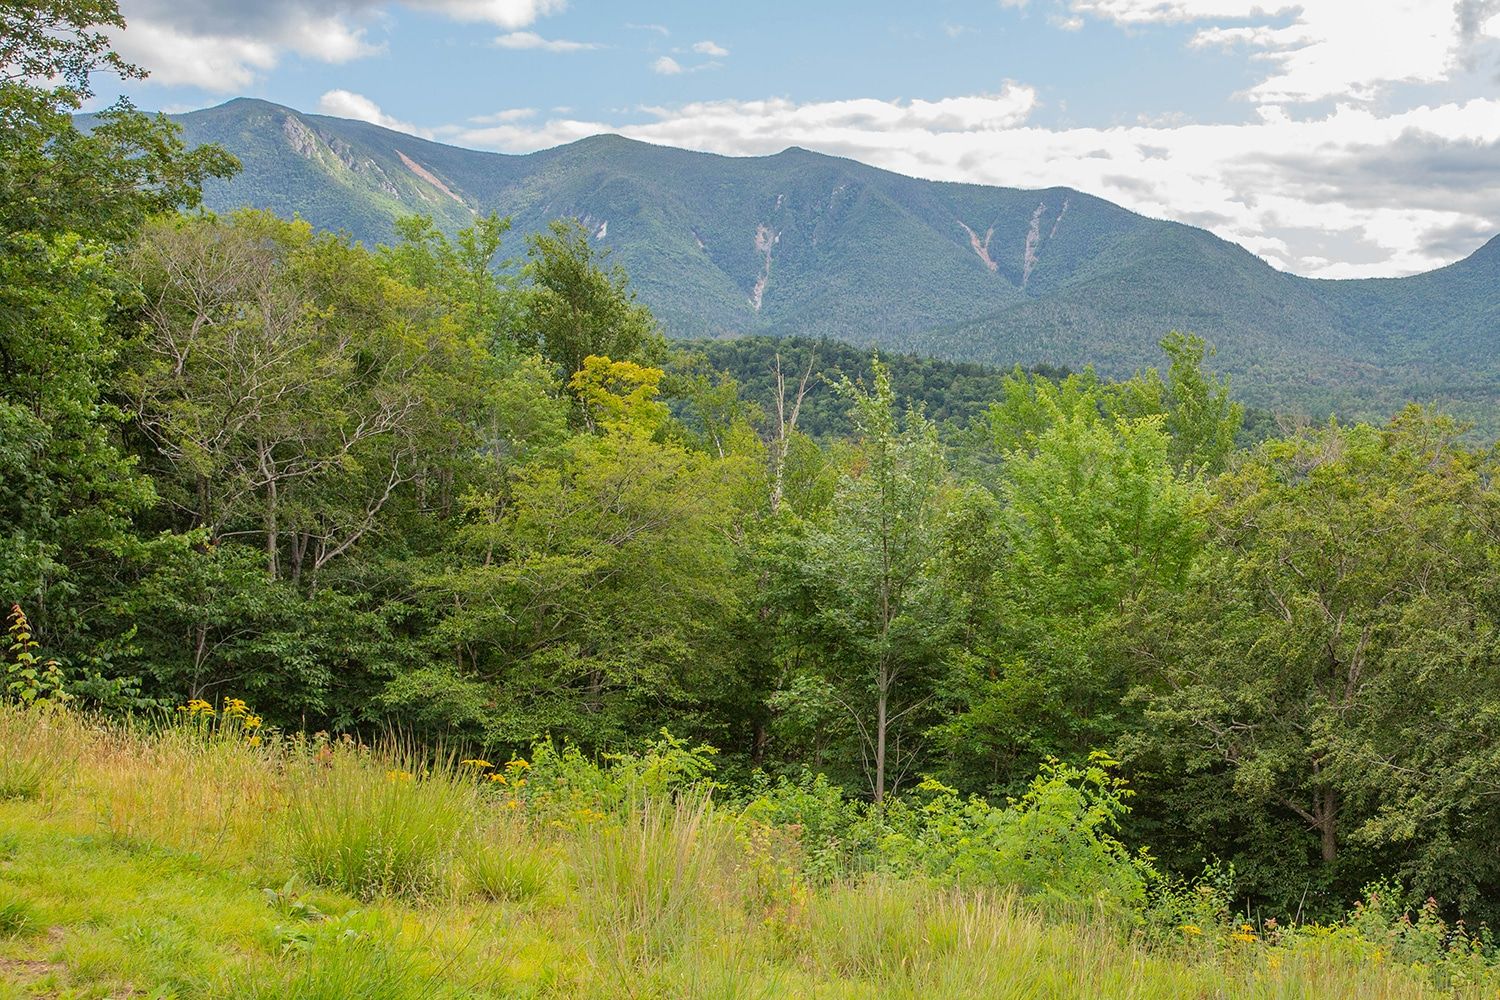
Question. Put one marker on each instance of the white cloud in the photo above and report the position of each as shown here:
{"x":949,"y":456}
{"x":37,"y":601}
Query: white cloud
{"x":1349,"y":185}
{"x":347,"y":104}
{"x":507,"y":115}
{"x":1316,"y":49}
{"x":710,"y":48}
{"x":225,"y":45}
{"x":666,"y":66}
{"x":505,"y":13}
{"x":214,"y":63}
{"x":220,"y":55}
{"x":531,"y":40}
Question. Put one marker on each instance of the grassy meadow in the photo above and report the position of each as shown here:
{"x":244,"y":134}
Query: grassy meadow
{"x":202,"y":859}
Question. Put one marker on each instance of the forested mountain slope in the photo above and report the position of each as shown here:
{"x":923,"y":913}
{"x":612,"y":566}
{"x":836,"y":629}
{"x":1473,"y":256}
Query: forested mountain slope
{"x":805,"y":244}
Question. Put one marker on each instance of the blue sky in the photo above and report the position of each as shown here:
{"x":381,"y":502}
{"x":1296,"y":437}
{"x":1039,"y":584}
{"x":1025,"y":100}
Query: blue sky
{"x":1333,"y":137}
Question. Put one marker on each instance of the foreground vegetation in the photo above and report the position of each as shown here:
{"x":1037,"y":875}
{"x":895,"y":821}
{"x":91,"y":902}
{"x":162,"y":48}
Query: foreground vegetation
{"x":211,"y":858}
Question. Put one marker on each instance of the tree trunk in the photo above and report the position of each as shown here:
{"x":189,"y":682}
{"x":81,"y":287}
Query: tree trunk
{"x":882,"y":703}
{"x":273,"y":540}
{"x":1327,"y":825}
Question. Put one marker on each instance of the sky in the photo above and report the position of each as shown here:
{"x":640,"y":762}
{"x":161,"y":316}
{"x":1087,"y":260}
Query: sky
{"x":1334,"y":138}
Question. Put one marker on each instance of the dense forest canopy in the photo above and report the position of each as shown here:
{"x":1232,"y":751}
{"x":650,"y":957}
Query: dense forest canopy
{"x":397,"y":487}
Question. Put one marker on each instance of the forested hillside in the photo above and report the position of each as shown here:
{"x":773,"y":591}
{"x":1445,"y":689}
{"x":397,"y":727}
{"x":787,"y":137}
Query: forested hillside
{"x":416,"y":581}
{"x":803,"y":244}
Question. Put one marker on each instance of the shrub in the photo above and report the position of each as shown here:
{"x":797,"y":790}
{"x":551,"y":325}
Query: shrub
{"x":28,"y":678}
{"x":356,"y":824}
{"x":1056,"y":841}
{"x":837,"y":838}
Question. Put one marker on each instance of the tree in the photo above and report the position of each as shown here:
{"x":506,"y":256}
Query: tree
{"x":291,"y":391}
{"x":579,"y":304}
{"x":1092,"y":515}
{"x":461,"y":276}
{"x":599,"y":590}
{"x":1332,"y":660}
{"x":69,"y":200}
{"x":874,"y":608}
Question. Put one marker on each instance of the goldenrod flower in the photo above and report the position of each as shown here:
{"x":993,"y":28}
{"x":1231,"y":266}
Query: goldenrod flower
{"x":475,"y":762}
{"x":1192,"y":930}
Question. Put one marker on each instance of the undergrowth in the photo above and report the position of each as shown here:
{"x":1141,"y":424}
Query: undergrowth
{"x":206,"y":857}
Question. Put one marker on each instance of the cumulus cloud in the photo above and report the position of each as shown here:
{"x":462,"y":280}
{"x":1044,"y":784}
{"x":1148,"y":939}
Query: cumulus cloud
{"x":347,"y":104}
{"x":666,"y":66}
{"x":531,"y":40}
{"x":225,"y":45}
{"x":1317,"y":49}
{"x":1346,"y":193}
{"x":710,"y":48}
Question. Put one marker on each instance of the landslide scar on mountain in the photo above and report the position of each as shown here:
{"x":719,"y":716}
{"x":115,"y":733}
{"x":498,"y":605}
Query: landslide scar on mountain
{"x":982,"y":249}
{"x":1033,"y":244}
{"x":1058,"y":221}
{"x":427,"y":175}
{"x":765,"y":241}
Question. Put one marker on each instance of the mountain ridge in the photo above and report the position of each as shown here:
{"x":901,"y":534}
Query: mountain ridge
{"x":803,"y":243}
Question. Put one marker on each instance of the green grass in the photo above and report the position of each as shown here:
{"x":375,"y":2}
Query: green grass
{"x":373,"y":832}
{"x":215,"y":885}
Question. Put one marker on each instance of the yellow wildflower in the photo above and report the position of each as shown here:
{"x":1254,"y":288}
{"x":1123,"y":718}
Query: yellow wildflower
{"x":476,"y":763}
{"x":398,"y":775}
{"x":500,"y":778}
{"x":254,"y":741}
{"x":1192,"y":930}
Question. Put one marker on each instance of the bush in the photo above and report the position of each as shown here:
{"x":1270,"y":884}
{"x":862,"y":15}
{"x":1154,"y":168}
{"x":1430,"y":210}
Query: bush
{"x":1056,"y":842}
{"x":837,"y":839}
{"x":372,"y":830}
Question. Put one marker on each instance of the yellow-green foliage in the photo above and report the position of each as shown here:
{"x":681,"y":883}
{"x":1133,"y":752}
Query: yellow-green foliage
{"x":208,"y":859}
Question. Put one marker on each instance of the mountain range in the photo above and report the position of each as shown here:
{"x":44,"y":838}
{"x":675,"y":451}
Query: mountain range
{"x":801,"y":243}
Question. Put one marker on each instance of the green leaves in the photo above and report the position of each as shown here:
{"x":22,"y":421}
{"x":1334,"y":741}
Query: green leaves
{"x":1330,"y":656}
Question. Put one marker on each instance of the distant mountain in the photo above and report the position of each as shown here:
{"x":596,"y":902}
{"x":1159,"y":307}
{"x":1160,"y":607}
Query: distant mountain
{"x":805,"y":244}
